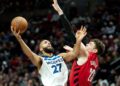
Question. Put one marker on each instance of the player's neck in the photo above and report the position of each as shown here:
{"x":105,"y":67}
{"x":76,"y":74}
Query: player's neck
{"x":47,"y":54}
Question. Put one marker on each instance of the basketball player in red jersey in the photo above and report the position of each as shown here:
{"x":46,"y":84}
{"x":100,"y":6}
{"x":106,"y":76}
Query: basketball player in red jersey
{"x":85,"y":65}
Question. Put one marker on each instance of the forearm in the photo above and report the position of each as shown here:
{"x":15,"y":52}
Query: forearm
{"x":32,"y":56}
{"x":82,"y":50}
{"x":74,"y":53}
{"x":68,"y":27}
{"x":64,"y":20}
{"x":60,"y":12}
{"x":76,"y":48}
{"x":27,"y":51}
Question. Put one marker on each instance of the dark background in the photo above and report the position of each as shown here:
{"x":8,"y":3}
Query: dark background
{"x":101,"y":17}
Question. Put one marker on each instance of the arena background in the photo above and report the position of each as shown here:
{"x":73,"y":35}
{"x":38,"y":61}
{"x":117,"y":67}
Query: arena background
{"x":101,"y":17}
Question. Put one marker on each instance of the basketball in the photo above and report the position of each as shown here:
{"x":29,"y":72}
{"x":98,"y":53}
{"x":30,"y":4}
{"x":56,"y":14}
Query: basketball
{"x":19,"y":24}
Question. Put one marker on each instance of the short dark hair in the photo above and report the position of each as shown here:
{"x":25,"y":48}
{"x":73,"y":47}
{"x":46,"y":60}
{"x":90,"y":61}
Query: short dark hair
{"x":100,"y":46}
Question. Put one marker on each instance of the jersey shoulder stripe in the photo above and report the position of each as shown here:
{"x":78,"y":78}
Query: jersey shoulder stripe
{"x":51,"y":58}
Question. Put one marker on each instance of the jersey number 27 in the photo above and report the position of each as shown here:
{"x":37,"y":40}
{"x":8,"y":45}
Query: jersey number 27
{"x":56,"y":68}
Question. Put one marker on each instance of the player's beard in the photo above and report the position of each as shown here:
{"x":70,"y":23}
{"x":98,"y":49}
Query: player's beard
{"x":48,"y":50}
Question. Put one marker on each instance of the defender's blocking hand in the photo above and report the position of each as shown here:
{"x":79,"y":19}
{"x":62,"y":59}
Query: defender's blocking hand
{"x":80,"y":34}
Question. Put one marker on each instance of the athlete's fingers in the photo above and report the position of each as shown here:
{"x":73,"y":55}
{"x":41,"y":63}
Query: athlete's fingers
{"x":84,"y":29}
{"x":18,"y":32}
{"x":12,"y":28}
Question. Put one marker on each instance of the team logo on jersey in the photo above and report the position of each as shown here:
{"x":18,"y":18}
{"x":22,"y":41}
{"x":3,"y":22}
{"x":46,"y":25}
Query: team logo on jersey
{"x":53,"y":60}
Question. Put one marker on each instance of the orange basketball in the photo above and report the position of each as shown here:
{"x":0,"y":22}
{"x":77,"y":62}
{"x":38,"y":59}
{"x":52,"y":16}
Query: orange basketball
{"x":19,"y":24}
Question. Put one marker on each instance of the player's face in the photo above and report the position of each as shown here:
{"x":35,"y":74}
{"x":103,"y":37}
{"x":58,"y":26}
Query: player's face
{"x":91,"y":47}
{"x":46,"y":46}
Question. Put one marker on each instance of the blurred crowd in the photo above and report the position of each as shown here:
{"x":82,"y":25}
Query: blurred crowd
{"x":17,"y":70}
{"x":11,"y":5}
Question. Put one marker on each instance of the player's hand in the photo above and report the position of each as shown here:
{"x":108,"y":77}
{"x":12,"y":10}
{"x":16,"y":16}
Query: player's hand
{"x":15,"y":33}
{"x":68,"y":48}
{"x":80,"y":34}
{"x":57,"y":7}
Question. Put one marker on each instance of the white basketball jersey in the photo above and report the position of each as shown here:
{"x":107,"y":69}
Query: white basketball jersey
{"x":53,"y":71}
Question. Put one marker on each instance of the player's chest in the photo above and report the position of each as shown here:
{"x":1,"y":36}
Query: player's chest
{"x":54,"y":65}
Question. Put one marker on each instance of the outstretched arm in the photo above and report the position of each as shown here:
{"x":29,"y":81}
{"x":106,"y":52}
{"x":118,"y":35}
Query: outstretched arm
{"x":36,"y":60}
{"x":80,"y":34}
{"x":64,"y":20}
{"x":66,"y":24}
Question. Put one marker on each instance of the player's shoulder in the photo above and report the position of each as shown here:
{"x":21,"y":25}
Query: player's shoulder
{"x":53,"y":57}
{"x":92,"y":55}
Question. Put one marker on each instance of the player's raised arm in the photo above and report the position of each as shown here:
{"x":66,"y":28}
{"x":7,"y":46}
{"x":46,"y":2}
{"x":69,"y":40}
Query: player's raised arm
{"x":57,"y":7}
{"x":64,"y":20}
{"x":66,"y":23}
{"x":32,"y":56}
{"x":80,"y":34}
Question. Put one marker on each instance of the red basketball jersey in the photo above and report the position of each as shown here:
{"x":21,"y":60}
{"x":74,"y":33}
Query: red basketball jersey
{"x":82,"y":75}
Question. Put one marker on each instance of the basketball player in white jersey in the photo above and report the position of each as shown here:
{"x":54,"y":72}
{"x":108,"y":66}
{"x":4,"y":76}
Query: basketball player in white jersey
{"x":52,"y":68}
